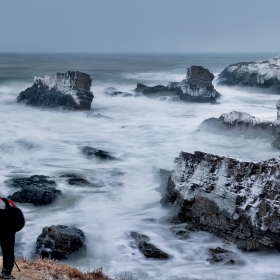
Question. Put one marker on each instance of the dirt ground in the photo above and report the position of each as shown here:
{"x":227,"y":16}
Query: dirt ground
{"x":50,"y":270}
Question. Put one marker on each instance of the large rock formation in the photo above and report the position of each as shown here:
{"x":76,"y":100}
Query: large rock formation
{"x":236,"y":200}
{"x":243,"y":124}
{"x":70,"y":90}
{"x":60,"y":242}
{"x":259,"y":73}
{"x":197,"y":87}
{"x":36,"y":189}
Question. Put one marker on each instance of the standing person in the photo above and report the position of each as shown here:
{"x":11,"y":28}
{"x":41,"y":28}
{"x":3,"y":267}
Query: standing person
{"x":11,"y":221}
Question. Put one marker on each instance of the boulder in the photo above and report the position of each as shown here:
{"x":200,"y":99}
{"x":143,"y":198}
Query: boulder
{"x":263,"y":73}
{"x":197,"y":87}
{"x":89,"y":152}
{"x":36,"y":189}
{"x":235,"y":200}
{"x":70,"y":90}
{"x":149,"y":250}
{"x":60,"y":242}
{"x":243,"y":124}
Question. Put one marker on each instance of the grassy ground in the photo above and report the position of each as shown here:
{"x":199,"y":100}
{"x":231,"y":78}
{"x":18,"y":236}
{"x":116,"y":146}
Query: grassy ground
{"x":51,"y":270}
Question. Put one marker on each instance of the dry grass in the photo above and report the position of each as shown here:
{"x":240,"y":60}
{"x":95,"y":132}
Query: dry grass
{"x":51,"y":270}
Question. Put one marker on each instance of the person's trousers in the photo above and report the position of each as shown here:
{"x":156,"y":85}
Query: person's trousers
{"x":7,"y":240}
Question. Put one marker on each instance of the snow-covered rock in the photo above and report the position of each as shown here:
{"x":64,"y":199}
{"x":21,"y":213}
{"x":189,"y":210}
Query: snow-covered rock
{"x":258,"y":73}
{"x":236,"y":200}
{"x":241,"y":124}
{"x":70,"y":90}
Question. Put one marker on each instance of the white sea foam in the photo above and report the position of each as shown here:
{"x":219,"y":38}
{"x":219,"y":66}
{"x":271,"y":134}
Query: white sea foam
{"x":145,"y":134}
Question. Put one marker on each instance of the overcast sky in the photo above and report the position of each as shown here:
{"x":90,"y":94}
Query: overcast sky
{"x":139,"y":26}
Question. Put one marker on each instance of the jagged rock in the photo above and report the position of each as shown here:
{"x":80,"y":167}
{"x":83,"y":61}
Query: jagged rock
{"x":36,"y":189}
{"x":197,"y":87}
{"x":262,"y":73}
{"x":245,"y":125}
{"x":236,"y":200}
{"x":70,"y":90}
{"x":73,"y":179}
{"x":89,"y":151}
{"x":60,"y":242}
{"x":221,"y":255}
{"x":149,"y":250}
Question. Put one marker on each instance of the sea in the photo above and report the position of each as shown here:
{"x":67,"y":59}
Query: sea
{"x":146,"y":135}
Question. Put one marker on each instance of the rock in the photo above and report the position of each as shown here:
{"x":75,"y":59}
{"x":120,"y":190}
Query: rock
{"x":73,"y":179}
{"x":197,"y":87}
{"x":181,"y":231}
{"x":263,"y":73}
{"x":36,"y":189}
{"x":149,"y":250}
{"x":236,"y":200}
{"x":140,"y":88}
{"x":89,"y":151}
{"x":243,"y":124}
{"x":70,"y":90}
{"x":112,"y":92}
{"x":220,"y":255}
{"x":60,"y":242}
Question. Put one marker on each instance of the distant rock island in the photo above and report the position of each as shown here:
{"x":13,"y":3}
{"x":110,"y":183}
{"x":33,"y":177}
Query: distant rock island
{"x":70,"y":90}
{"x":263,"y":73}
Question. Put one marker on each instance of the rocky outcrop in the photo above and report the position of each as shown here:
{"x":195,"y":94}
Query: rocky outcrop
{"x":60,"y":242}
{"x":197,"y":87}
{"x":262,"y":73}
{"x":36,"y":189}
{"x":243,"y":124}
{"x":89,"y":152}
{"x":70,"y":90}
{"x":236,"y":200}
{"x":149,"y":250}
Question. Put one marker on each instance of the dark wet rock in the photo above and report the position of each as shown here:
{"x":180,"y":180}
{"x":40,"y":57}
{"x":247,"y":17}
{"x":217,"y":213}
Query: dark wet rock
{"x":69,"y":90}
{"x":197,"y":87}
{"x":36,"y":189}
{"x":243,"y":124}
{"x":73,"y":179}
{"x":263,"y":73}
{"x":149,"y":250}
{"x":220,"y":255}
{"x":89,"y":151}
{"x":60,"y":242}
{"x":236,"y":200}
{"x":180,"y":231}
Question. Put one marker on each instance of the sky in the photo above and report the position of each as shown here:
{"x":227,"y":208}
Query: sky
{"x":139,"y":26}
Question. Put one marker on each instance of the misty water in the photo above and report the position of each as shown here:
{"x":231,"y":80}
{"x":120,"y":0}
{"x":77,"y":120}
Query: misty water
{"x":145,"y":135}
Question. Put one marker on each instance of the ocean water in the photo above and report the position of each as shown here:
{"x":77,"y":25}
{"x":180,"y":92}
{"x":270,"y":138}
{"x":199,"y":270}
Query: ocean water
{"x":146,"y":135}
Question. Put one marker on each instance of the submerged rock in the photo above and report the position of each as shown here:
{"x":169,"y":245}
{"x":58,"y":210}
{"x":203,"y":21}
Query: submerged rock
{"x":112,"y":92}
{"x":262,"y":73}
{"x":73,"y":179}
{"x":70,"y":90}
{"x":236,"y":200}
{"x":149,"y":250}
{"x":197,"y":87}
{"x":60,"y":242}
{"x":89,"y":151}
{"x":36,"y":189}
{"x":220,"y":255}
